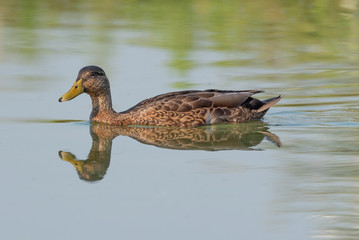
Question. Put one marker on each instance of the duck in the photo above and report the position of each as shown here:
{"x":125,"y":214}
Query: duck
{"x":188,"y":108}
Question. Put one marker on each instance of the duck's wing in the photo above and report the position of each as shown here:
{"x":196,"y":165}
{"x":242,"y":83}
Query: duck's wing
{"x":183,"y":101}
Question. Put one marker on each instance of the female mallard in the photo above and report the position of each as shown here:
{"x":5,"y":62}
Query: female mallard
{"x":183,"y":108}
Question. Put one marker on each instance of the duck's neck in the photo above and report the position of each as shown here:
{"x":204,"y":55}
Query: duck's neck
{"x":101,"y":107}
{"x":102,"y":111}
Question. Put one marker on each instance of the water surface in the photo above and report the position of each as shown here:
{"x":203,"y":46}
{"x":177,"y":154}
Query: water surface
{"x":293,"y":175}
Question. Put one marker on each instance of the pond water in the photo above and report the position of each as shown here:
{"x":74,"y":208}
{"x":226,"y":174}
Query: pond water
{"x":294,"y":175}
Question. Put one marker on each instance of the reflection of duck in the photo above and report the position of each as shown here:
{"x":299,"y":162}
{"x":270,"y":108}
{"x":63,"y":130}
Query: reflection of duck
{"x":95,"y":167}
{"x":212,"y":138}
{"x":184,"y":108}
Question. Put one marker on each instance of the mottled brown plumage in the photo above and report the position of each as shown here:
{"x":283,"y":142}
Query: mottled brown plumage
{"x":181,"y":109}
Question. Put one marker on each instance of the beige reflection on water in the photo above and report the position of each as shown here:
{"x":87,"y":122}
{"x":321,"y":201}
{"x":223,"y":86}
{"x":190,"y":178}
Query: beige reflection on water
{"x":209,"y":138}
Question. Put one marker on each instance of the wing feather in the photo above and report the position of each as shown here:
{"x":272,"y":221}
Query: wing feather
{"x":183,"y":101}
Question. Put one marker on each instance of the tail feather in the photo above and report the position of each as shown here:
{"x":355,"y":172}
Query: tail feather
{"x":268,"y":103}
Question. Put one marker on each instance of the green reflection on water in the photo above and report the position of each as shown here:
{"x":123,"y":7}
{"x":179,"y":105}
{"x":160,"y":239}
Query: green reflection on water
{"x":270,"y":33}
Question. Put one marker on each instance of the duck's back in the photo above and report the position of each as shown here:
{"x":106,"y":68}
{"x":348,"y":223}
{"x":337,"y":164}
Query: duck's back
{"x":196,"y":108}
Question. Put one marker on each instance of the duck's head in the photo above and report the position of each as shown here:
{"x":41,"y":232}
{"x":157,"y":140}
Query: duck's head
{"x":91,"y":80}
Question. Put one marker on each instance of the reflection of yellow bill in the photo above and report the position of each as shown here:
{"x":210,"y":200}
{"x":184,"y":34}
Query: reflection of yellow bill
{"x":69,"y":157}
{"x":76,"y":90}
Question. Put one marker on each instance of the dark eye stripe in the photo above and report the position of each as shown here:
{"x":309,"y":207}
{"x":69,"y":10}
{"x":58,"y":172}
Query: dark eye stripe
{"x":97,"y":74}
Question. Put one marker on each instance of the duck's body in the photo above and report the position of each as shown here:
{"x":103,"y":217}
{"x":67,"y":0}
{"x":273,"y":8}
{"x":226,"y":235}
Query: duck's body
{"x":183,"y":108}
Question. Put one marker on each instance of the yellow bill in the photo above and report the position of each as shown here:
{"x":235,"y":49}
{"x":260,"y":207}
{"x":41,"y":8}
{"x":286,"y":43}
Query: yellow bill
{"x":76,"y":90}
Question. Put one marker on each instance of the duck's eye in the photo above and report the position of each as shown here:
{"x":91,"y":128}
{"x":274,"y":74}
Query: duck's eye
{"x":93,"y":74}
